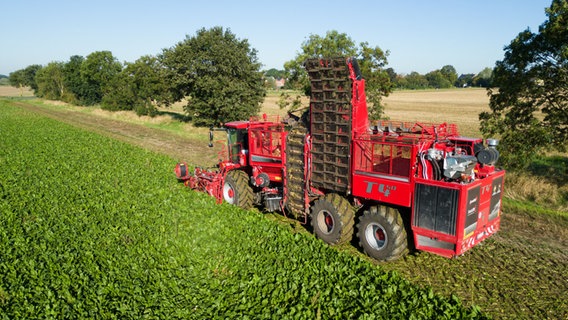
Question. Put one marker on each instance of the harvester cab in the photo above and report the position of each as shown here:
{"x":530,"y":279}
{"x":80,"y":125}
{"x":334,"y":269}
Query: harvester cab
{"x":237,"y":140}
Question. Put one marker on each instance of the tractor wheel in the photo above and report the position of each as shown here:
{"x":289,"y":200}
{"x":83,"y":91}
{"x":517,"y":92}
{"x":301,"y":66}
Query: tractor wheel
{"x":382,"y":234}
{"x":237,"y":191}
{"x":333,"y":219}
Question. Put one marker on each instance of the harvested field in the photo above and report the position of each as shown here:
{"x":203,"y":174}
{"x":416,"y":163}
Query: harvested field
{"x":461,"y":106}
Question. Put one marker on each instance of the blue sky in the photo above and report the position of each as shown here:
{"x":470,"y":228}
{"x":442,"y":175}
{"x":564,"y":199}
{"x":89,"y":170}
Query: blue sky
{"x":420,"y":35}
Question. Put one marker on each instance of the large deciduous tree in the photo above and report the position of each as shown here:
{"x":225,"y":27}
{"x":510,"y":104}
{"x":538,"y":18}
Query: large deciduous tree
{"x":450,"y":73}
{"x":529,"y":104}
{"x":73,"y":82}
{"x":97,"y":72}
{"x":372,"y":61}
{"x":219,"y":75}
{"x":16,"y":78}
{"x":140,"y":86}
{"x":436,"y":79}
{"x":25,"y":77}
{"x":50,"y":81}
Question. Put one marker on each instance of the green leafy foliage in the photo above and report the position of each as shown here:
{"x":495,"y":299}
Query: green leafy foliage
{"x":219,"y":73}
{"x":529,"y":106}
{"x":74,"y":85}
{"x":139,"y":87}
{"x":95,"y":228}
{"x":25,"y":77}
{"x":437,"y":80}
{"x":97,"y":73}
{"x":372,"y":61}
{"x":50,"y":81}
{"x":414,"y":80}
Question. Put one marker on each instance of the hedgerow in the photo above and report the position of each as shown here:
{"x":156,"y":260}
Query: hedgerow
{"x":95,"y":228}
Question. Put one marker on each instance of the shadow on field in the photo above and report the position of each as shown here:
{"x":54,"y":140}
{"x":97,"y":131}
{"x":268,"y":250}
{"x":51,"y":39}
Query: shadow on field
{"x":554,"y":169}
{"x":174,"y":115}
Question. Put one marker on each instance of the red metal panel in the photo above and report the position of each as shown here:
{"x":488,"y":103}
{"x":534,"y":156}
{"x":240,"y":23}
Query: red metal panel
{"x":488,"y":215}
{"x":266,"y":151}
{"x":237,"y":124}
{"x":478,"y":216}
{"x":384,"y":188}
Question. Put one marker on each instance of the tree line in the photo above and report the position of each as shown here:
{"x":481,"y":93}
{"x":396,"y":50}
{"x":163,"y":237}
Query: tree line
{"x":217,"y":74}
{"x":219,"y":77}
{"x":446,"y":77}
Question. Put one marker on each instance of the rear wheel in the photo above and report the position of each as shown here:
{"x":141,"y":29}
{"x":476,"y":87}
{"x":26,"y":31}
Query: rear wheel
{"x":333,"y":219}
{"x":382,"y":234}
{"x":237,"y":191}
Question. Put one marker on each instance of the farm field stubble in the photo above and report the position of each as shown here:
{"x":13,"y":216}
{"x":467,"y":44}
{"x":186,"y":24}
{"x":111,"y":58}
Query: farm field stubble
{"x":460,"y":106}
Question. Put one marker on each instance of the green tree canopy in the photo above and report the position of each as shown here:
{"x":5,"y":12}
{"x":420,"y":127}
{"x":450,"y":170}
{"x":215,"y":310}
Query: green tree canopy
{"x":50,"y":81}
{"x":140,"y":86}
{"x":17,"y":78}
{"x":415,"y":81}
{"x":483,"y":78}
{"x":218,"y":73}
{"x":372,"y":61}
{"x":275,"y":73}
{"x":97,"y":71}
{"x":73,"y":82}
{"x":25,"y":77}
{"x":450,"y":73}
{"x":436,"y":79}
{"x":529,"y":104}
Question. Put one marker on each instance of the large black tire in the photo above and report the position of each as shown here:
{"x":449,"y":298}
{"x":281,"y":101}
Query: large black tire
{"x":295,"y":171}
{"x":333,"y":219}
{"x":382,"y":234}
{"x":237,"y":190}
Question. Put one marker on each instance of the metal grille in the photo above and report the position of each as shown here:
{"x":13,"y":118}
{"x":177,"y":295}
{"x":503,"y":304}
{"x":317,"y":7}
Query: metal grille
{"x":330,"y":123}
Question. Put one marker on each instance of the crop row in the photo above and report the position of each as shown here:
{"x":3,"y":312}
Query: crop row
{"x":94,"y":228}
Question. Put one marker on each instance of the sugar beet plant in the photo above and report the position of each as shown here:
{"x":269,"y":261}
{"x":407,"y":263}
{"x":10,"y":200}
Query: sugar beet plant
{"x":95,"y":228}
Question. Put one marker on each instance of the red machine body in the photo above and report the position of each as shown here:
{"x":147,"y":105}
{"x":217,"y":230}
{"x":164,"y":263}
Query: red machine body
{"x":387,"y":184}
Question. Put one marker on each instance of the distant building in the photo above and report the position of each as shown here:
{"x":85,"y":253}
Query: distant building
{"x":279,"y":83}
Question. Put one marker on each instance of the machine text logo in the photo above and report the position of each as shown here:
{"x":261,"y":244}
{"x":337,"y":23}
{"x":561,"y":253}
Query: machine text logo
{"x":381,"y":188}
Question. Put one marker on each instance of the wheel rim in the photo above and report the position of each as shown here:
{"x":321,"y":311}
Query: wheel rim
{"x":228,"y":193}
{"x":325,"y":221}
{"x":376,"y":236}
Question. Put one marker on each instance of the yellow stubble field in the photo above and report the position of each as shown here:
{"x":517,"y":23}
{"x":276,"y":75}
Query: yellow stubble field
{"x":459,"y":106}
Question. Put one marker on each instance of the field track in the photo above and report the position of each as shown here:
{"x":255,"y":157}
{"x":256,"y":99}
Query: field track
{"x":518,"y":273}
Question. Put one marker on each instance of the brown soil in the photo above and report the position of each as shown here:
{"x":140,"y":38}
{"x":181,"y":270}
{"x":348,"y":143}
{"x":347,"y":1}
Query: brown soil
{"x":518,"y":273}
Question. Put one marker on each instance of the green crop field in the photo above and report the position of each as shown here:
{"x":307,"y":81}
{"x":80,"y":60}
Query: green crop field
{"x":91,"y":227}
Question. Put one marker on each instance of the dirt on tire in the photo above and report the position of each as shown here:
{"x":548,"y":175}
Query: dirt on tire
{"x":519,"y":273}
{"x":243,"y":195}
{"x":343,"y":216}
